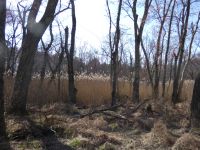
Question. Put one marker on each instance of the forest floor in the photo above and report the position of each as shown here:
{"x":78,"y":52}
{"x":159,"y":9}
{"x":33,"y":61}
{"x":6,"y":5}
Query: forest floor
{"x":149,"y":125}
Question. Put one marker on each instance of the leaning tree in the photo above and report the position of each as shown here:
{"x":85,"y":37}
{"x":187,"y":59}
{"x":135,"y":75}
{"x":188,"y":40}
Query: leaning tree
{"x":138,"y":32}
{"x":33,"y":35}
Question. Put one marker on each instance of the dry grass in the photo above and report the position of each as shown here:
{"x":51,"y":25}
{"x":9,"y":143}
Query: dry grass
{"x":92,"y":90}
{"x":187,"y":142}
{"x":100,"y":131}
{"x":158,"y":137}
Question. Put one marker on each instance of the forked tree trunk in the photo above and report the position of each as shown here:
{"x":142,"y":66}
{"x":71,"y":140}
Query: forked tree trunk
{"x":2,"y":66}
{"x":147,"y":64}
{"x":194,"y":29}
{"x":30,"y":42}
{"x":158,"y":54}
{"x":46,"y":54}
{"x":182,"y":40}
{"x":195,"y":105}
{"x":138,"y":38}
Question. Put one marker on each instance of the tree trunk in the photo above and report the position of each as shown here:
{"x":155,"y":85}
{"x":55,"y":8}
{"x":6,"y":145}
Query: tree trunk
{"x":23,"y":77}
{"x":158,"y":50}
{"x":193,"y":32}
{"x":111,"y":45}
{"x":195,"y":104}
{"x":175,"y":97}
{"x":70,"y":57}
{"x":115,"y":56}
{"x":29,"y":48}
{"x":43,"y":69}
{"x":167,"y":50}
{"x":136,"y":82}
{"x":46,"y":54}
{"x":170,"y":74}
{"x":2,"y":119}
{"x":147,"y":64}
{"x":114,"y":78}
{"x":182,"y":39}
{"x":138,"y":37}
{"x":2,"y":66}
{"x":157,"y":55}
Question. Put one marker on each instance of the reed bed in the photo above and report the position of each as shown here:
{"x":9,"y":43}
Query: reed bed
{"x":93,"y":90}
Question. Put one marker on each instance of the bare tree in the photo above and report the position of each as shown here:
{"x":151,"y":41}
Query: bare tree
{"x":138,"y":30}
{"x":185,"y":13}
{"x":70,"y":56}
{"x":114,"y":48}
{"x":13,"y":39}
{"x":2,"y":66}
{"x":35,"y":31}
{"x":194,"y":29}
{"x":110,"y":42}
{"x":162,"y":18}
{"x":23,"y":13}
{"x":46,"y":53}
{"x":149,"y":45}
{"x":167,"y":48}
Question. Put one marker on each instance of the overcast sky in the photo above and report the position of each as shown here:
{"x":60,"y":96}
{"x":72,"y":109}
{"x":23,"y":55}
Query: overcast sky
{"x":92,"y":23}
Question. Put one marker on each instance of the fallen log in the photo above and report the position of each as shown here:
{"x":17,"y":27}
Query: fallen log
{"x":118,"y":116}
{"x":100,"y":110}
{"x":130,"y":110}
{"x":138,"y":106}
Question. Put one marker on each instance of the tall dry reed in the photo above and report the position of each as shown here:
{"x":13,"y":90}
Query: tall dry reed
{"x":92,"y":90}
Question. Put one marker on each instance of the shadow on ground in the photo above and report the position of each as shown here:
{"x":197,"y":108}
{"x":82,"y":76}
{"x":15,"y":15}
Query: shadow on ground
{"x":4,"y":144}
{"x":39,"y":132}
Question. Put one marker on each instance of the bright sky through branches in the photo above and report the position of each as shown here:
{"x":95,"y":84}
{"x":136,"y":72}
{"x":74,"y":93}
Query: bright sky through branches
{"x":92,"y":23}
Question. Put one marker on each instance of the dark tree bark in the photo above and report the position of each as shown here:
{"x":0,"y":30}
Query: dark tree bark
{"x":2,"y":66}
{"x":111,"y":45}
{"x":115,"y":56}
{"x":138,"y":37}
{"x":158,"y":54}
{"x":30,"y":42}
{"x":46,"y":54}
{"x":147,"y":64}
{"x":22,"y":16}
{"x":184,"y":28}
{"x":114,"y":51}
{"x":11,"y":54}
{"x":194,"y":29}
{"x":72,"y":91}
{"x":195,"y":104}
{"x":167,"y":49}
{"x":57,"y":68}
